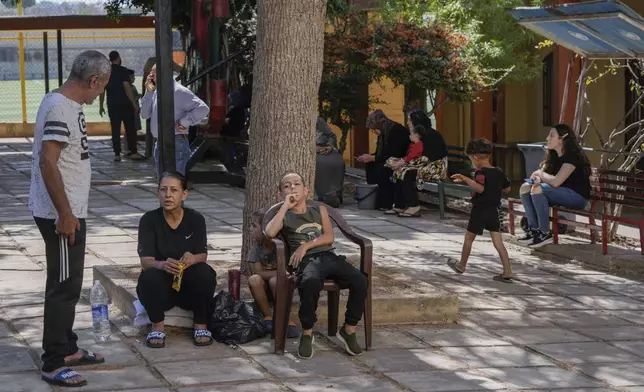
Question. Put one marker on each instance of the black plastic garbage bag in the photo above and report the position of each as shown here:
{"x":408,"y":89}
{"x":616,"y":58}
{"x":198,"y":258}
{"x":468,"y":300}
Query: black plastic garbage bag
{"x":235,"y":322}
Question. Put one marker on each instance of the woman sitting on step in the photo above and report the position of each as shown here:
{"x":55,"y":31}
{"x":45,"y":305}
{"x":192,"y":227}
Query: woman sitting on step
{"x":172,"y":248}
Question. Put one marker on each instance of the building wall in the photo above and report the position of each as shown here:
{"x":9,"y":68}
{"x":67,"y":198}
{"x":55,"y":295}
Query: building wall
{"x":524,"y":109}
{"x":385,"y":96}
{"x":391,"y":100}
{"x":608,"y":106}
{"x":455,"y":123}
{"x":524,"y":112}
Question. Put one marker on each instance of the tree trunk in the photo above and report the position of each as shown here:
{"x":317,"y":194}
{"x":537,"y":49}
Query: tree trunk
{"x":286,"y":74}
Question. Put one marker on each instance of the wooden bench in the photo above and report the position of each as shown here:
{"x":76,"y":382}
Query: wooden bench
{"x":608,"y":187}
{"x":458,"y":162}
{"x":286,"y":281}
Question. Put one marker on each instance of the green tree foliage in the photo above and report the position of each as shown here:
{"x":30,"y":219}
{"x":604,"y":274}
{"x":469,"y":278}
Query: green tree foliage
{"x":502,"y":49}
{"x":180,"y":10}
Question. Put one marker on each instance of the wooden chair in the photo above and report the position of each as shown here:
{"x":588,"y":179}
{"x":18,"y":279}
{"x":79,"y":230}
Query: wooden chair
{"x":286,"y":281}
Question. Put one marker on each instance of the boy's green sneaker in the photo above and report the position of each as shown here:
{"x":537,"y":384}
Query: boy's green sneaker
{"x":305,"y":348}
{"x":350,"y":342}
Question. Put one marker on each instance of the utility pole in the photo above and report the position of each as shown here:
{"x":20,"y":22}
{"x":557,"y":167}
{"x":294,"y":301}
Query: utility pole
{"x":165,"y":84}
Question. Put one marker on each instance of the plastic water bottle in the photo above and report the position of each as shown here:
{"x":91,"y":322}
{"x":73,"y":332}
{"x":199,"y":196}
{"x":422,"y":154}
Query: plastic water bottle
{"x":100,"y":314}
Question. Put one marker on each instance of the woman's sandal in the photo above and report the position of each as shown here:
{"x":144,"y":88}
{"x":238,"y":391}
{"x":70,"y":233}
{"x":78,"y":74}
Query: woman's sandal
{"x":203,"y":333}
{"x":63,"y":379}
{"x":406,"y":214}
{"x":88,"y":358}
{"x":393,"y":211}
{"x":155,"y":335}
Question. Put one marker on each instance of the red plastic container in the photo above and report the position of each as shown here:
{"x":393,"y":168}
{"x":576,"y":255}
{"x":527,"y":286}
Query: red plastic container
{"x":234,"y":278}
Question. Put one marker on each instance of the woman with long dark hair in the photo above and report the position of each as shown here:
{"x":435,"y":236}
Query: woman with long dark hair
{"x":563,"y":180}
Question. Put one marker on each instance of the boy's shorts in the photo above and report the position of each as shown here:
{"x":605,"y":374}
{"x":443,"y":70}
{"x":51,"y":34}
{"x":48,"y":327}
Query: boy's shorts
{"x":484,"y":218}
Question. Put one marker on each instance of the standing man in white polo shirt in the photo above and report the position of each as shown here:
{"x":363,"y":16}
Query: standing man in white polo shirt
{"x":189,"y":110}
{"x":58,"y":198}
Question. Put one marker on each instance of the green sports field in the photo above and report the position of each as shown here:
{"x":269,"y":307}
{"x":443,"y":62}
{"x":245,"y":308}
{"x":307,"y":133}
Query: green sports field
{"x":11,"y":101}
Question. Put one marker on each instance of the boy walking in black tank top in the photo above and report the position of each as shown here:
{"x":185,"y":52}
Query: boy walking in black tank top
{"x":309,"y":236}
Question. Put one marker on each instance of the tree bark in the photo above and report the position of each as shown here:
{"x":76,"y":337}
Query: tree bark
{"x":286,"y":79}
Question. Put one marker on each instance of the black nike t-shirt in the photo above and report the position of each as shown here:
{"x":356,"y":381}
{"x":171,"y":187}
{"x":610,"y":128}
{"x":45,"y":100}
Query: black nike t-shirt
{"x":157,"y":239}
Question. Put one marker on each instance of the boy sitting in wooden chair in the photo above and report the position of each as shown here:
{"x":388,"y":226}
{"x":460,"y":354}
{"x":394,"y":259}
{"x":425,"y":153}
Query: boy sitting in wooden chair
{"x":309,"y":234}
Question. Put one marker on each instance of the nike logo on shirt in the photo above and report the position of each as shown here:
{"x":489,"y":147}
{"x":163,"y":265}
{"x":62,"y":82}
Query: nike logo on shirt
{"x":188,"y":236}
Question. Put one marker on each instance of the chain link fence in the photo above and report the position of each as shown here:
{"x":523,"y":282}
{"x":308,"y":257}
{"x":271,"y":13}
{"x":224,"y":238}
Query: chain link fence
{"x":41,"y":62}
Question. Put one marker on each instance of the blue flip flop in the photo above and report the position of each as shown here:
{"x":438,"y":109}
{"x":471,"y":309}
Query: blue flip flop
{"x":61,"y":379}
{"x":88,"y":358}
{"x":155,"y":335}
{"x":203,"y":333}
{"x":292,"y":332}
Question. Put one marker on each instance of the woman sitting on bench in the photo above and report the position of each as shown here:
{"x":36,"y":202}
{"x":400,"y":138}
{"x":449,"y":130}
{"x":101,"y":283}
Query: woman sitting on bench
{"x":563,"y":180}
{"x":393,"y":141}
{"x":410,"y":174}
{"x":172,"y":248}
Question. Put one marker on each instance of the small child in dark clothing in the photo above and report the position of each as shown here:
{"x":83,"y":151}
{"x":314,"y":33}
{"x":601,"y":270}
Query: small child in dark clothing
{"x":488,"y":186}
{"x":308,"y":233}
{"x":263,"y":265}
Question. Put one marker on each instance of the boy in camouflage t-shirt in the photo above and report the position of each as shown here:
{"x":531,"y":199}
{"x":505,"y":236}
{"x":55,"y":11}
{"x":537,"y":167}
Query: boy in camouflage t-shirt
{"x":263,"y":264}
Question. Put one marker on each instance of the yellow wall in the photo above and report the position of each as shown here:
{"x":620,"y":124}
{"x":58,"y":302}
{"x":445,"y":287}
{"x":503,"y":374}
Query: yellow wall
{"x":608,"y":106}
{"x":385,"y":96}
{"x":390,"y":99}
{"x":524,"y":109}
{"x":524,"y":112}
{"x":455,"y":124}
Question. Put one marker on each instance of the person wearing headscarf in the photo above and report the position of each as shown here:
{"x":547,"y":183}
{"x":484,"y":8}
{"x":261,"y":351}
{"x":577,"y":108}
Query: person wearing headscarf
{"x":325,"y":139}
{"x":393,"y":141}
{"x":328,"y":160}
{"x":409,"y":175}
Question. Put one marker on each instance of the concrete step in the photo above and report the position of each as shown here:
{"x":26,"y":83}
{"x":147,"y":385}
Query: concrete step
{"x":394,"y":301}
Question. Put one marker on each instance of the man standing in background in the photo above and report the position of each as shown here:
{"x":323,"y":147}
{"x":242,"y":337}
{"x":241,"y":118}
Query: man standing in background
{"x":122,"y":107}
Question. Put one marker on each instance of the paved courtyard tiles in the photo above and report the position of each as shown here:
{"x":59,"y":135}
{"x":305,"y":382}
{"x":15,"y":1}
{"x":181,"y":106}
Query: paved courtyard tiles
{"x":251,"y":386}
{"x":562,"y":328}
{"x":496,"y":356}
{"x":442,"y":381}
{"x":548,"y":378}
{"x":629,"y":332}
{"x":409,"y":360}
{"x":525,"y":336}
{"x":209,"y":371}
{"x":456,"y":337}
{"x":584,"y":352}
{"x":323,"y":364}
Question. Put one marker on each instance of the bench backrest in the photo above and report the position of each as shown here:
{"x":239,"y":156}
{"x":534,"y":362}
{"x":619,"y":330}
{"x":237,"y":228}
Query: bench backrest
{"x":617,"y":187}
{"x":458,"y":162}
